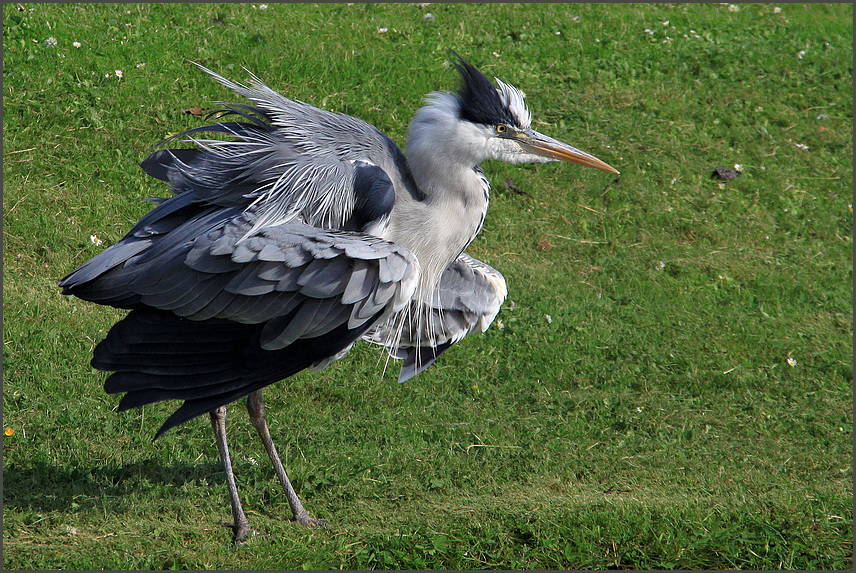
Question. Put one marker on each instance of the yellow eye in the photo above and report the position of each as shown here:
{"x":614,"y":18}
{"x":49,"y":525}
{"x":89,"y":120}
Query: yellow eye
{"x":501,"y":128}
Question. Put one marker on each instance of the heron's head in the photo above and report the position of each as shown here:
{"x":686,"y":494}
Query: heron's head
{"x":495,"y":123}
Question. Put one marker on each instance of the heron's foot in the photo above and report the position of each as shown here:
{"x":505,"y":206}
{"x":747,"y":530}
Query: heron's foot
{"x":308,"y":521}
{"x":240,"y":533}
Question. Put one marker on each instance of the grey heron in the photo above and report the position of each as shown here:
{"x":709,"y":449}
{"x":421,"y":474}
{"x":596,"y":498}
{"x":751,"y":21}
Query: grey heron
{"x":295,"y":233}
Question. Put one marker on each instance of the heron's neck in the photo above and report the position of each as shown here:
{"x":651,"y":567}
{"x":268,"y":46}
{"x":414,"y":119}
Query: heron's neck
{"x":440,"y":224}
{"x":442,"y":151}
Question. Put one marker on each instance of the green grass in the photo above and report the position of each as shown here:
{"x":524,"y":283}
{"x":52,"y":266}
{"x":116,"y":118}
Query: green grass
{"x":653,"y":421}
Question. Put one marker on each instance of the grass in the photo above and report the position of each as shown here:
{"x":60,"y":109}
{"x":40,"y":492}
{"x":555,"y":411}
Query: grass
{"x":671,"y":388}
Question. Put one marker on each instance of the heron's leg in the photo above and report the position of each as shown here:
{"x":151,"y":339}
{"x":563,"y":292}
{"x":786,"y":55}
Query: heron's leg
{"x":241,"y":527}
{"x":256,"y":408}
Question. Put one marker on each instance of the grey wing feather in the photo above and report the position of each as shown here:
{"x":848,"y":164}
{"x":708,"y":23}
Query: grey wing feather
{"x":467,"y":299}
{"x":261,"y":291}
{"x":359,"y":282}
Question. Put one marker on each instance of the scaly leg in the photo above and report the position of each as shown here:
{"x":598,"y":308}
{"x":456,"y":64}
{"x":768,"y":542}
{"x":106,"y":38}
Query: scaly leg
{"x":241,"y":527}
{"x":256,"y":408}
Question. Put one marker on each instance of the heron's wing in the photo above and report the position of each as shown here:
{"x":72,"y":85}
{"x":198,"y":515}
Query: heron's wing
{"x":202,"y":269}
{"x":290,"y":160}
{"x":217,"y":317}
{"x":468,"y":298}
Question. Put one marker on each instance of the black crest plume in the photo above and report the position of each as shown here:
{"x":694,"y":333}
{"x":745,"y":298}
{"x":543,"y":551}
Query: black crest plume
{"x":480,"y":102}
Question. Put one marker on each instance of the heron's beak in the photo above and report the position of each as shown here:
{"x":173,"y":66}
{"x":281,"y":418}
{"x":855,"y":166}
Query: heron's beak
{"x":540,"y":144}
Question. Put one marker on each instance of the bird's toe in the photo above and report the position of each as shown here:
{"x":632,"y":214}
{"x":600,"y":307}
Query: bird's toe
{"x":240,"y":532}
{"x":308,"y":521}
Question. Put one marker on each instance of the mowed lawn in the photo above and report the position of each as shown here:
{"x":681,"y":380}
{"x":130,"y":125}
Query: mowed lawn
{"x":669,"y":384}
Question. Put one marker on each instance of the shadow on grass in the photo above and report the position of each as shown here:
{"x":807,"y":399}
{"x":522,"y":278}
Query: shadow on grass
{"x":44,"y":487}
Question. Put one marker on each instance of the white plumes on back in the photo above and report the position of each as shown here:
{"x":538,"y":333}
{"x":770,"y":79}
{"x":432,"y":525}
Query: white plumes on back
{"x":318,"y":189}
{"x":513,"y":98}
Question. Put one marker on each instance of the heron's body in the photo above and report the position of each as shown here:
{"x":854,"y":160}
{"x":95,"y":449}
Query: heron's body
{"x":303,"y":233}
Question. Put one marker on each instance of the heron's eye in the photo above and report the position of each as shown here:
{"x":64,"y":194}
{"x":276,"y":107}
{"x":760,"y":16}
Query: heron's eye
{"x":501,"y":128}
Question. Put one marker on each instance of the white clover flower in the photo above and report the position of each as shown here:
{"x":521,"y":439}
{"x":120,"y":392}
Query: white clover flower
{"x":119,"y":74}
{"x":791,"y":362}
{"x":777,"y":10}
{"x":51,"y":41}
{"x":76,"y":44}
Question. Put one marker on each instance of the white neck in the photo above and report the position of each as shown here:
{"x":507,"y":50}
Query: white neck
{"x":443,"y":156}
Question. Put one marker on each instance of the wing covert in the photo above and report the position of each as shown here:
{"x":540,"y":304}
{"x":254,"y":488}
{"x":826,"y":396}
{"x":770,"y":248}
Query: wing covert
{"x":301,"y":280}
